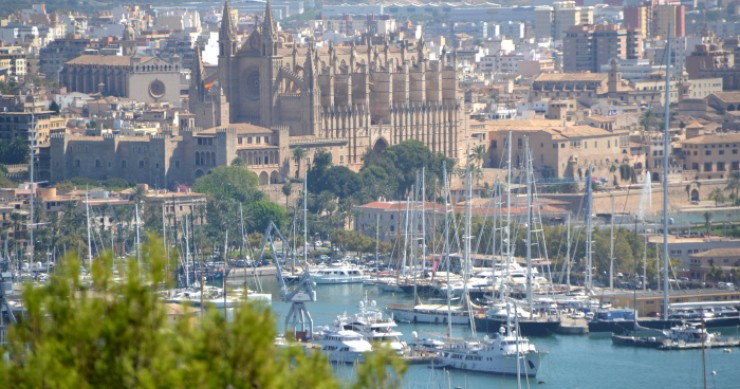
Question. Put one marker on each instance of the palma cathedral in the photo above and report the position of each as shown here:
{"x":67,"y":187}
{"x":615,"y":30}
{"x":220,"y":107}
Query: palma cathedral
{"x":343,"y":99}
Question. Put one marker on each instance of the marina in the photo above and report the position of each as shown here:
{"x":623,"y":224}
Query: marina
{"x":608,"y":365}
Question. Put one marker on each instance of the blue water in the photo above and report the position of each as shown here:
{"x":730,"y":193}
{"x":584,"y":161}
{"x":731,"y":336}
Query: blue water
{"x":570,"y":362}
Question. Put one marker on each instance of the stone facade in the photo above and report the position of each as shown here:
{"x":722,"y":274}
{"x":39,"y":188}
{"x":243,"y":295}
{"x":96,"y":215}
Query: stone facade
{"x":166,"y":160}
{"x":347,"y":98}
{"x":146,"y":79}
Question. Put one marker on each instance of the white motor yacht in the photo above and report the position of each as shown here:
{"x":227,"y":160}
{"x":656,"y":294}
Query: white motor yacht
{"x":338,"y":274}
{"x":507,"y":353}
{"x":342,"y":346}
{"x":374,"y":325}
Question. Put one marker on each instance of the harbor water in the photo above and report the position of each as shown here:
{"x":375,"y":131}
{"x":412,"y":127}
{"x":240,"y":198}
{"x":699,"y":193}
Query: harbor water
{"x":569,"y":362}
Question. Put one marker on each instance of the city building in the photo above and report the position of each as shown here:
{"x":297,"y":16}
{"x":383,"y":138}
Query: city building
{"x":351,"y":97}
{"x":712,"y":156}
{"x":726,"y":260}
{"x":558,"y":150}
{"x":53,"y":56}
{"x":165,"y":160}
{"x":588,"y":47}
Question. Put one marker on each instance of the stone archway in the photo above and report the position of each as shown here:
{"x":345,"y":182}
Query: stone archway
{"x":694,"y":195}
{"x":198,"y":173}
{"x":274,"y":177}
{"x":264,"y":178}
{"x":655,"y":177}
{"x":380,"y":145}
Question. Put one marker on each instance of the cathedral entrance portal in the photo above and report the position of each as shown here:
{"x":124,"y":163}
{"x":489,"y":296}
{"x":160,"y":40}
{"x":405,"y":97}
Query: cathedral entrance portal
{"x":380,"y":146}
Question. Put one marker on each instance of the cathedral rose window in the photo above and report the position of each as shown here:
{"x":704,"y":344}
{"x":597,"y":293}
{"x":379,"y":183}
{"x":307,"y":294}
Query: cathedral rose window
{"x":156,"y":89}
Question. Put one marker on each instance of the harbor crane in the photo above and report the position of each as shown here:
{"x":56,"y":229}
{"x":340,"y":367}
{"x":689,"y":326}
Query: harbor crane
{"x":298,"y":320}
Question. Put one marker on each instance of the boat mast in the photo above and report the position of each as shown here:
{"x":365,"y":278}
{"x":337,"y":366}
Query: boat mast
{"x":305,"y":217}
{"x":507,"y":231}
{"x":468,"y":237}
{"x":447,"y":248}
{"x":589,"y":232}
{"x":423,"y":223}
{"x":187,"y":251}
{"x":89,"y":234}
{"x":138,"y":238}
{"x":666,"y":127}
{"x":567,"y":253}
{"x":611,"y":248}
{"x":32,"y":162}
{"x":529,"y":222}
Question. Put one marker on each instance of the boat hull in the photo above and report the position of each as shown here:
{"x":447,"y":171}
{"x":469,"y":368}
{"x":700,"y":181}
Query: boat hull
{"x":526,"y":327}
{"x":619,"y":327}
{"x":498,"y":364}
{"x":409,"y":315}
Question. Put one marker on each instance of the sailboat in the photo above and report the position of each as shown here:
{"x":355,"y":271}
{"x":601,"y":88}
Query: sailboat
{"x":506,"y":353}
{"x":499,"y":314}
{"x":428,"y":313}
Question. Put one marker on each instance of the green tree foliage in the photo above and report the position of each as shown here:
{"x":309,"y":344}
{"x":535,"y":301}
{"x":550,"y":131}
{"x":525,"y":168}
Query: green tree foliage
{"x":402,"y":162}
{"x":230,"y":182}
{"x":119,"y":334}
{"x":263,"y":211}
{"x":13,"y":151}
{"x":5,"y":182}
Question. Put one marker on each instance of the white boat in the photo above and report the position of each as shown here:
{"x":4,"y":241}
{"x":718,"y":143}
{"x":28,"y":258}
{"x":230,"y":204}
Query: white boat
{"x":429,"y":313}
{"x":214,"y":296}
{"x":342,"y":346}
{"x":506,"y":353}
{"x":375,"y":326}
{"x":339,"y":274}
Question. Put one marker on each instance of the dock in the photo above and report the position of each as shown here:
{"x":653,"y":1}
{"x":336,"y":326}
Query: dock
{"x":571,"y":326}
{"x":728,"y":343}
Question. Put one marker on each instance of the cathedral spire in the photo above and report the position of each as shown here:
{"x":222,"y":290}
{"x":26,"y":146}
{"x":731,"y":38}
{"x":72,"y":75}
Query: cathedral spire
{"x":227,"y":28}
{"x":269,"y":29}
{"x":198,"y":70}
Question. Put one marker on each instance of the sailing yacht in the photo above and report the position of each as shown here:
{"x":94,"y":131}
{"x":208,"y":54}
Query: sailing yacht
{"x":506,"y":353}
{"x":506,"y":311}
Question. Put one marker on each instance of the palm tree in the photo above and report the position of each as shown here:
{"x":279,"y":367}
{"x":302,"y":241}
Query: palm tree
{"x":287,"y":189}
{"x":708,"y":221}
{"x":717,"y":195}
{"x":298,"y":154}
{"x":733,"y":184}
{"x":479,"y":156}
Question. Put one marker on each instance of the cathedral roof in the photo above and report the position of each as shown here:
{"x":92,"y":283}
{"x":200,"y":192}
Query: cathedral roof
{"x":573,"y":77}
{"x":104,"y":60}
{"x":240,"y":128}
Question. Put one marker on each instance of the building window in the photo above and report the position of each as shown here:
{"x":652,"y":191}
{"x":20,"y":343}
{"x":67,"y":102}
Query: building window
{"x":494,"y":144}
{"x":77,"y":163}
{"x":123,"y":164}
{"x":177,"y":164}
{"x":695,"y":166}
{"x":707,"y":166}
{"x":97,"y":163}
{"x":734,"y":151}
{"x":707,"y":152}
{"x":720,"y":166}
{"x":736,"y":165}
{"x":721,"y":152}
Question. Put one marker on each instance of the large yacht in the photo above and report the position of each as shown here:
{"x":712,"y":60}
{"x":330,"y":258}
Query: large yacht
{"x":374,"y":325}
{"x":498,"y":355}
{"x":342,"y":346}
{"x":338,"y":274}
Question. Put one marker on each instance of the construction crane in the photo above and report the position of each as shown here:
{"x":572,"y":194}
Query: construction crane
{"x":298,"y":320}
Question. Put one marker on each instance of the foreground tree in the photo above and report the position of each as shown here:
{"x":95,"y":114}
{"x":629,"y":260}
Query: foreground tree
{"x":118,"y":334}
